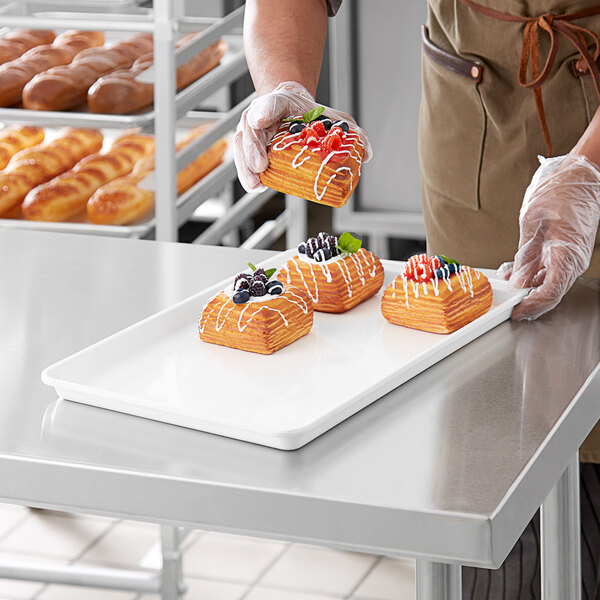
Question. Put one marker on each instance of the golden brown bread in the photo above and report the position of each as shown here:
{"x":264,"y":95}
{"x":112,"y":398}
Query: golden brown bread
{"x":336,"y":285}
{"x":120,"y":93}
{"x":66,"y":195}
{"x":121,"y":201}
{"x":16,"y":138}
{"x":438,"y":305}
{"x":15,"y":43}
{"x":15,"y":74}
{"x":324,"y":177}
{"x":263,"y":327}
{"x":66,"y":86}
{"x":34,"y":166}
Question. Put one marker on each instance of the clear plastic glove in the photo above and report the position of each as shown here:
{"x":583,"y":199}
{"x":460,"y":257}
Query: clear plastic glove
{"x":558,"y":224}
{"x":260,"y":122}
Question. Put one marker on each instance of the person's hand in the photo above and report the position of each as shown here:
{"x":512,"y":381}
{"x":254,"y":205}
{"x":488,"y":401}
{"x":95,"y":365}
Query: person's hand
{"x":260,"y":122}
{"x":558,"y":224}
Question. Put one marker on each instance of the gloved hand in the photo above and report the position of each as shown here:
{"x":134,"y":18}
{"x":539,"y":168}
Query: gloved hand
{"x":558,"y":224}
{"x":260,"y":122}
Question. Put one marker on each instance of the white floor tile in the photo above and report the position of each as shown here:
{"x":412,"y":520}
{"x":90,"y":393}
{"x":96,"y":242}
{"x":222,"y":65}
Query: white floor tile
{"x":199,"y":589}
{"x":319,"y":570}
{"x":262,"y":593}
{"x":391,"y":579}
{"x":18,"y":589}
{"x":230,"y":557}
{"x":55,"y":536}
{"x":10,"y":515}
{"x":125,"y":546}
{"x":68,"y":592}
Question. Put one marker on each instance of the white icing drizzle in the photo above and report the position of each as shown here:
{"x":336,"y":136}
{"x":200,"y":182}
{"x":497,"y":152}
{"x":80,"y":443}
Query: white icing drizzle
{"x":357,"y":262}
{"x":263,"y":307}
{"x":314,"y":298}
{"x":394,"y":289}
{"x":217,"y":326}
{"x":405,"y":285}
{"x":301,"y":304}
{"x":347,"y":277}
{"x":295,"y":163}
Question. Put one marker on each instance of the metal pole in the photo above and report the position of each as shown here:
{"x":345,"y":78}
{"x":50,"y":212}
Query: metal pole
{"x":172,"y":586}
{"x":560,"y":533}
{"x":297,"y":228}
{"x":164,"y":126}
{"x":438,"y":581}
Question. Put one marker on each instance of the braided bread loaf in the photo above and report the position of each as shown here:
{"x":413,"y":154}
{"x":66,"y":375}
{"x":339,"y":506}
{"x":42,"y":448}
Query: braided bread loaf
{"x":66,"y":195}
{"x":16,"y":138}
{"x":33,"y":166}
{"x":14,"y":43}
{"x":67,"y":86}
{"x":120,"y":92}
{"x":15,"y":74}
{"x":122,"y":201}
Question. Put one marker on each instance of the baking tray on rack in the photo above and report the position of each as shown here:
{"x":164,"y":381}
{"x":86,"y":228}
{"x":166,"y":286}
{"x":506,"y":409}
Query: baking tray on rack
{"x":232,"y":66}
{"x":159,"y":369}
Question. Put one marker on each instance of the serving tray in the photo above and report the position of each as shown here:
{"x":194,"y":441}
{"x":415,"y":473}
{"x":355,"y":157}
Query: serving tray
{"x":159,"y":369}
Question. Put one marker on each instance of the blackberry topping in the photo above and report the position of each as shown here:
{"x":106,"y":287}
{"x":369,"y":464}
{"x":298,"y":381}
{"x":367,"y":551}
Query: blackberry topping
{"x":258,"y":288}
{"x":275,"y":288}
{"x":331,"y":245}
{"x":259,"y":272}
{"x":342,"y":125}
{"x":312,"y":245}
{"x":241,"y":284}
{"x":240,"y":277}
{"x":260,"y":277}
{"x":322,"y":255}
{"x":323,"y":235}
{"x":326,"y":121}
{"x":302,"y":248}
{"x":241,"y":297}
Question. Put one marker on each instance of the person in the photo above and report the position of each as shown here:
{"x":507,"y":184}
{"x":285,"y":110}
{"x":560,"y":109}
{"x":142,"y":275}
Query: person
{"x":503,"y":82}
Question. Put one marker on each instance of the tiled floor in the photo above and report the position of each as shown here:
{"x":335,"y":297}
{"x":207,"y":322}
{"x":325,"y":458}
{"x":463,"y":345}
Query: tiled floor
{"x":217,"y":566}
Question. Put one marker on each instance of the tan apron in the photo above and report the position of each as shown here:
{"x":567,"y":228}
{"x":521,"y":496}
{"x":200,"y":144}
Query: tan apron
{"x":480,"y":132}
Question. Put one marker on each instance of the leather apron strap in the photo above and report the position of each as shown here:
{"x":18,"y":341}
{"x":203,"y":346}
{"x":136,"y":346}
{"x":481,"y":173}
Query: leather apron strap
{"x":553,"y":25}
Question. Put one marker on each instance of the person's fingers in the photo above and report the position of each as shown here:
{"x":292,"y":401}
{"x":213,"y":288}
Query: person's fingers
{"x":255,"y":150}
{"x":267,"y":110}
{"x":504,"y":271}
{"x":250,"y":181}
{"x":543,"y":298}
{"x":526,"y":264}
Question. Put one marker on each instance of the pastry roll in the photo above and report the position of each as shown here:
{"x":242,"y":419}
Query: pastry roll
{"x":17,"y":138}
{"x":257,"y":314}
{"x":318,"y":160}
{"x":337,"y":274}
{"x":437,"y":295}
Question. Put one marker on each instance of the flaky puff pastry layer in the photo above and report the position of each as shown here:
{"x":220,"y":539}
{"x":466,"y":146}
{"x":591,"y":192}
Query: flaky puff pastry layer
{"x":336,"y":285}
{"x":263,"y":327}
{"x":440,"y":305}
{"x":297,"y":170}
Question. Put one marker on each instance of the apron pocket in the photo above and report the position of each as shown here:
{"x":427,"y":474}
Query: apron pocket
{"x":452,"y":124}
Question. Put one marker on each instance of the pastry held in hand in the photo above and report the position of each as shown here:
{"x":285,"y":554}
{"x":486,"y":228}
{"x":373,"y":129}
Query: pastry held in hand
{"x":315,"y":158}
{"x":337,"y":274}
{"x":436,"y":294}
{"x":123,"y":201}
{"x":34,"y":166}
{"x":257,"y":314}
{"x":16,"y":138}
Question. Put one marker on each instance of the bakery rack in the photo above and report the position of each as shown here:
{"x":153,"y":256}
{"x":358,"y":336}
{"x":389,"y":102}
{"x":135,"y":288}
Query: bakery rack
{"x":166,"y":21}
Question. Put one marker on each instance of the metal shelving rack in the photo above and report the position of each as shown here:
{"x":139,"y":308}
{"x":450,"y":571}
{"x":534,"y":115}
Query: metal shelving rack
{"x":166,"y":22}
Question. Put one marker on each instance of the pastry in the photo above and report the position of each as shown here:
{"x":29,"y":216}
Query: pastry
{"x":337,"y":274}
{"x":122,"y":201}
{"x":314,"y":158}
{"x":67,"y":86}
{"x":120,"y":92}
{"x":34,"y":166}
{"x":16,"y":138}
{"x":436,"y":294}
{"x":257,"y":314}
{"x":15,"y":43}
{"x":15,"y":74}
{"x":66,"y":195}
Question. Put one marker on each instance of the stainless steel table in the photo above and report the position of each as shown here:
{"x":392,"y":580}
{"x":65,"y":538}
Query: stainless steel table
{"x":448,"y":468}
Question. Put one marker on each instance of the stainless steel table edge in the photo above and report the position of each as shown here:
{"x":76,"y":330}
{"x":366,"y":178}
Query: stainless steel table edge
{"x":553,"y":456}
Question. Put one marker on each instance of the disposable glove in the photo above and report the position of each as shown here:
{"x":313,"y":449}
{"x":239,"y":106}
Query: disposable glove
{"x":558,"y":224}
{"x":260,"y":122}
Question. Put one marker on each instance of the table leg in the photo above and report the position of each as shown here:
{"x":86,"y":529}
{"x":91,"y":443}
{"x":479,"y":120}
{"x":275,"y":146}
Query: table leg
{"x":438,"y":581}
{"x":172,"y":586}
{"x":560,"y":537}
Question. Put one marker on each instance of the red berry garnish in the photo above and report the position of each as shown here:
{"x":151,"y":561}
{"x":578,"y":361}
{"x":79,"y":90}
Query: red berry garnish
{"x":331,"y":143}
{"x":413,"y":266}
{"x":318,"y":127}
{"x":435,"y":262}
{"x":423,"y":272}
{"x":337,"y":131}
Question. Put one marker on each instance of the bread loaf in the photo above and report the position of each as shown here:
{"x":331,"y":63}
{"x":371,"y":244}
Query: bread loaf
{"x":67,"y":86}
{"x":120,"y":92}
{"x":17,"y":138}
{"x":65,"y":196}
{"x":15,"y":43}
{"x":15,"y":74}
{"x":122,"y":201}
{"x":33,"y":166}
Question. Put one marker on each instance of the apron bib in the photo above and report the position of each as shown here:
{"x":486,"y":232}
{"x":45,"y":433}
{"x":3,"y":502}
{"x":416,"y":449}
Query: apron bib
{"x":480,"y":131}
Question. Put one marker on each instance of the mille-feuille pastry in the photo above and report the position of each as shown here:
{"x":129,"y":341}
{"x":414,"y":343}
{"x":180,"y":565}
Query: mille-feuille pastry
{"x":257,"y":314}
{"x":315,"y":158}
{"x":436,"y":294}
{"x":337,"y":274}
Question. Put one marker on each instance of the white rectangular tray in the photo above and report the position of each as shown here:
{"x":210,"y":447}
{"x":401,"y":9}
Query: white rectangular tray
{"x":159,"y":369}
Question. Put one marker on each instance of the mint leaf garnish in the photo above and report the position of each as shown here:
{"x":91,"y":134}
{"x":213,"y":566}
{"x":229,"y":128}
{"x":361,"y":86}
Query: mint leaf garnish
{"x":292,"y":120}
{"x":269,"y":273}
{"x":348,"y":243}
{"x":252,"y":266}
{"x":311,"y":115}
{"x":448,"y":261}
